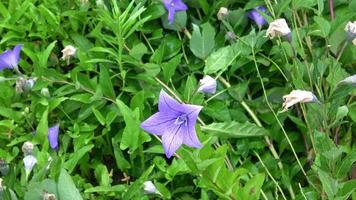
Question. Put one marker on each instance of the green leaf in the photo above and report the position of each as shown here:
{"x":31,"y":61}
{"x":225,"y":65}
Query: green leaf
{"x":43,"y":56}
{"x":98,"y":116}
{"x":74,"y":159}
{"x":345,"y":165}
{"x":220,"y":60}
{"x":201,"y":44}
{"x":42,"y":128}
{"x":131,"y":135}
{"x":35,"y":190}
{"x":235,"y":129}
{"x":330,"y":185}
{"x":252,"y":188}
{"x":346,"y":189}
{"x":137,"y":185}
{"x":66,"y":187}
{"x":169,"y":68}
{"x":105,"y":83}
{"x":105,"y":189}
{"x":323,"y":25}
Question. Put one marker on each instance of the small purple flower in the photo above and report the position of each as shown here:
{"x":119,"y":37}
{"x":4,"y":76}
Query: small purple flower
{"x":207,"y":85}
{"x":172,"y":7}
{"x":10,"y":58}
{"x":175,"y":123}
{"x":29,"y":162}
{"x":53,"y":136}
{"x":256,"y":16}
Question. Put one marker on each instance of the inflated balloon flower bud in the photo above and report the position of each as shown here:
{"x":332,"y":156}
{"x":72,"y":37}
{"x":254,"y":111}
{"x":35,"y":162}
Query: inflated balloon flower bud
{"x":350,"y":29}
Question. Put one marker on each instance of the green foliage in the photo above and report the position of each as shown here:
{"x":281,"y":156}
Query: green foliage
{"x":127,"y":51}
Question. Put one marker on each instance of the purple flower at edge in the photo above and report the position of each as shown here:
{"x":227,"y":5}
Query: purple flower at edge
{"x":175,"y":123}
{"x":256,"y":16}
{"x":10,"y":58}
{"x":53,"y":136}
{"x":172,"y":7}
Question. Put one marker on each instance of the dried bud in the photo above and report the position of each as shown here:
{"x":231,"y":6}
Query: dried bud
{"x":278,"y":27}
{"x":68,"y":52}
{"x":350,"y":29}
{"x":24,"y":85}
{"x":207,"y":85}
{"x":298,"y":96}
{"x":4,"y":167}
{"x":48,"y":196}
{"x":231,"y":35}
{"x":223,"y":12}
{"x":27,"y":148}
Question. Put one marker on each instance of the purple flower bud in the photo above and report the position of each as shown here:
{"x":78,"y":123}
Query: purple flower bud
{"x":10,"y":58}
{"x":207,"y":85}
{"x":172,"y":6}
{"x":29,"y":162}
{"x":256,"y":16}
{"x":53,"y":136}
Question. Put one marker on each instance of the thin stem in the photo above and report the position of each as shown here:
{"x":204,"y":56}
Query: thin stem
{"x":331,"y":8}
{"x":267,"y":139}
{"x":309,"y":127}
{"x":341,"y":51}
{"x":215,"y":95}
{"x":270,"y":175}
{"x":274,"y":114}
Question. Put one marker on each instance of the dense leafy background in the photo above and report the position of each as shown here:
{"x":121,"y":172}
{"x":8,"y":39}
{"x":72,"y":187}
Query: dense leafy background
{"x":127,"y":52}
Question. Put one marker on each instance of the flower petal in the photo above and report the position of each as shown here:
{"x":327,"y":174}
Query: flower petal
{"x":6,"y":59}
{"x":157,"y":123}
{"x":179,"y":5}
{"x":172,"y":139}
{"x":167,"y":104}
{"x":171,"y":13}
{"x":16,"y":52}
{"x":190,"y":136}
{"x":53,"y":136}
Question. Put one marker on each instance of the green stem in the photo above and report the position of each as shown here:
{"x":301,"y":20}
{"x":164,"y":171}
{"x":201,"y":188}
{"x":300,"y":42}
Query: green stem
{"x":270,"y":175}
{"x":274,"y":114}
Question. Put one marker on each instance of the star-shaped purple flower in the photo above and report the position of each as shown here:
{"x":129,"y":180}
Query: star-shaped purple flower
{"x":172,"y":7}
{"x":10,"y":58}
{"x":175,"y":123}
{"x":256,"y":16}
{"x":53,"y":136}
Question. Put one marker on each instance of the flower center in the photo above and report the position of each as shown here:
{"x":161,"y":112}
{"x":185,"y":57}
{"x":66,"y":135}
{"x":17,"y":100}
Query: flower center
{"x":172,"y":4}
{"x":182,"y":119}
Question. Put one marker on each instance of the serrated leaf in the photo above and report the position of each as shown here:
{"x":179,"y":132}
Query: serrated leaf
{"x":66,"y":187}
{"x":202,"y":43}
{"x":74,"y":159}
{"x":235,"y":129}
{"x":221,"y":59}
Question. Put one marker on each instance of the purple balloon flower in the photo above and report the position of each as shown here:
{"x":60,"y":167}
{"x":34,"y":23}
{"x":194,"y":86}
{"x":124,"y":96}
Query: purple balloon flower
{"x":175,"y":123}
{"x":10,"y":58}
{"x":53,"y":136}
{"x":172,"y":7}
{"x":256,"y":16}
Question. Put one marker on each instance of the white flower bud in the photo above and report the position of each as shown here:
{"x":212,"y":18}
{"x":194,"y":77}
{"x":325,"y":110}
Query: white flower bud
{"x":149,"y":188}
{"x":29,"y":162}
{"x":223,"y":12}
{"x":27,"y":148}
{"x":207,"y":85}
{"x":350,"y":79}
{"x":278,"y":27}
{"x":298,"y":96}
{"x":45,"y":92}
